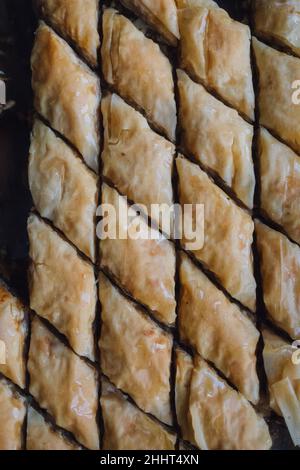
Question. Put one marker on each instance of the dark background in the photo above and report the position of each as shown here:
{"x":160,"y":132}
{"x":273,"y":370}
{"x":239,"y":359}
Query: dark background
{"x":17,"y":24}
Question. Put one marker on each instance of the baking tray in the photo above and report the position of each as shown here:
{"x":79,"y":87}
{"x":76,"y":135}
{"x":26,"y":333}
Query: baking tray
{"x":17,"y":26}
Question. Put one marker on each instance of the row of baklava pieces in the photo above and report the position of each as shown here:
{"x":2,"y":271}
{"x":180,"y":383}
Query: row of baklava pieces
{"x":127,"y":135}
{"x":66,"y":386}
{"x":136,"y":289}
{"x":216,"y":51}
{"x":70,"y":102}
{"x":271,"y":20}
{"x":238,"y":234}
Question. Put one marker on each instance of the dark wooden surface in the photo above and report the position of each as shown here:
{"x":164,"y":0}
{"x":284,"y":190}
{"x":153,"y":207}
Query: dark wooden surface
{"x":16,"y":36}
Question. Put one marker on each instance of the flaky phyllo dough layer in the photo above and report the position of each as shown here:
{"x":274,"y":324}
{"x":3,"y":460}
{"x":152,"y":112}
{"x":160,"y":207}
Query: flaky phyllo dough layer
{"x":155,"y":102}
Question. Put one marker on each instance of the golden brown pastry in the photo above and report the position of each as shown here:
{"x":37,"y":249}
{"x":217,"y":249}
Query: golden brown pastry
{"x":289,"y":405}
{"x":75,"y":20}
{"x":161,"y":14}
{"x":63,"y":384}
{"x":228,"y":230}
{"x":280,"y":183}
{"x":217,"y":329}
{"x":196,"y":3}
{"x":280,"y":270}
{"x":12,"y":413}
{"x":184,"y":372}
{"x":13,"y":331}
{"x":239,"y":428}
{"x":217,"y":136}
{"x":63,"y":189}
{"x":279,"y":21}
{"x":62,"y":286}
{"x":139,"y":71}
{"x":283,"y":373}
{"x":278,"y":111}
{"x":41,"y":435}
{"x":135,"y":354}
{"x":145,"y":268}
{"x":216,"y":50}
{"x":278,"y":361}
{"x":216,"y":416}
{"x":138,"y":161}
{"x":66,"y":93}
{"x":128,"y":428}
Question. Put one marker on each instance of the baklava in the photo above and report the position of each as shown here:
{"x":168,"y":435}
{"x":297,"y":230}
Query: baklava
{"x":128,"y":321}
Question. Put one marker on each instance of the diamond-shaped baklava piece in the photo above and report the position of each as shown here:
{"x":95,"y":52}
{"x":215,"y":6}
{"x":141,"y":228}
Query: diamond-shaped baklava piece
{"x":283,"y":372}
{"x":139,"y":257}
{"x":136,"y":67}
{"x":12,"y":415}
{"x":66,"y":93}
{"x":42,"y":436}
{"x":213,"y":415}
{"x":63,"y":189}
{"x":75,"y":20}
{"x":280,"y":183}
{"x":13,"y":330}
{"x":135,"y":354}
{"x":228,"y":232}
{"x":217,"y":136}
{"x":278,"y":99}
{"x":63,"y":384}
{"x":184,"y":372}
{"x":278,"y":362}
{"x":278,"y":21}
{"x":160,"y":14}
{"x":128,"y":428}
{"x":217,"y":329}
{"x":62,"y":286}
{"x":136,"y":160}
{"x":216,"y":51}
{"x":280,"y":270}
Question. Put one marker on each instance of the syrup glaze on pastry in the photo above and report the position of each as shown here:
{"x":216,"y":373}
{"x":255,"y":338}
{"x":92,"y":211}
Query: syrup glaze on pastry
{"x":161,"y":14}
{"x":128,"y":428}
{"x":227,"y":249}
{"x":203,"y":398}
{"x":13,"y":331}
{"x":12,"y":412}
{"x":41,"y":436}
{"x":215,"y":50}
{"x":77,"y":21}
{"x":62,"y":286}
{"x":136,"y":67}
{"x":66,"y":93}
{"x":279,"y":21}
{"x":63,"y":384}
{"x":63,"y":189}
{"x":280,"y":270}
{"x":135,"y":354}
